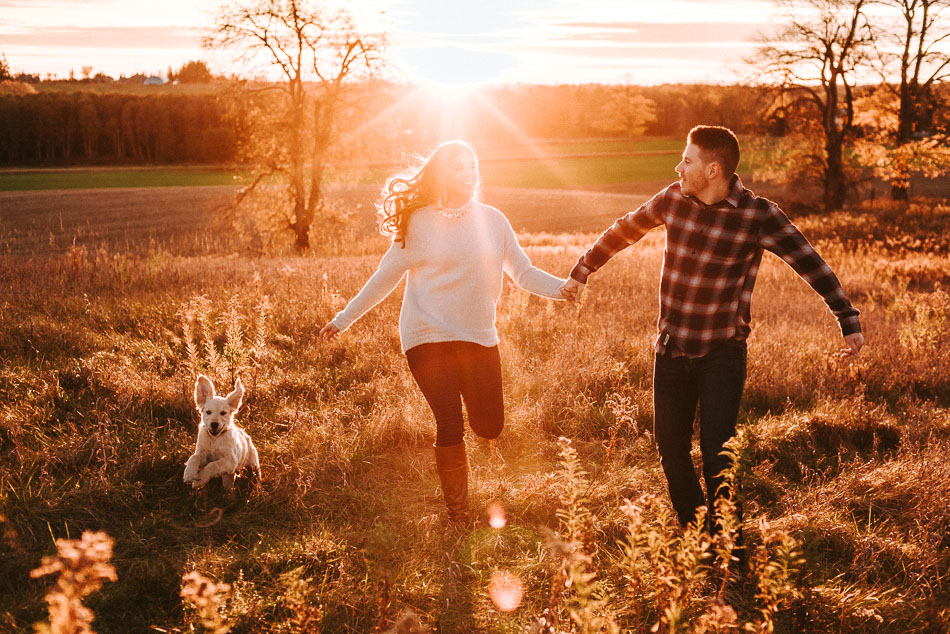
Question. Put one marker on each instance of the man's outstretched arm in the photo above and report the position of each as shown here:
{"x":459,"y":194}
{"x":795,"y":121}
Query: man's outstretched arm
{"x":784,"y":239}
{"x":625,"y":231}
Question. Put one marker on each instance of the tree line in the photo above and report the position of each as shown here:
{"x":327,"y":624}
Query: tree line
{"x":513,"y":114}
{"x":87,"y":128}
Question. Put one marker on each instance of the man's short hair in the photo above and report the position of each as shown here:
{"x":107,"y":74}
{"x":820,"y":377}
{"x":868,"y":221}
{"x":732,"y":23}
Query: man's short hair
{"x":717,"y":145}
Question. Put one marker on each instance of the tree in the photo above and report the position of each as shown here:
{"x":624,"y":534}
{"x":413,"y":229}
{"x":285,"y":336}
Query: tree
{"x":194,"y":72}
{"x":927,"y":154}
{"x":908,"y":47}
{"x":5,"y":73}
{"x":89,"y":127}
{"x":316,"y":52}
{"x":815,"y":60}
{"x":628,"y":112}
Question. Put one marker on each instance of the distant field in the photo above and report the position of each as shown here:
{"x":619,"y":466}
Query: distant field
{"x":182,"y":219}
{"x":104,"y":178}
{"x":130,"y":89}
{"x":555,"y":164}
{"x":572,"y":172}
{"x":584,"y":146}
{"x":561,"y":172}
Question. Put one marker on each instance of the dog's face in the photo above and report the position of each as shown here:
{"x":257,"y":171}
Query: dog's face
{"x":217,"y":412}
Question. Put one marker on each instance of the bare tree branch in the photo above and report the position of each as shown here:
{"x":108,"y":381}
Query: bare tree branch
{"x":816,"y":56}
{"x":316,"y":52}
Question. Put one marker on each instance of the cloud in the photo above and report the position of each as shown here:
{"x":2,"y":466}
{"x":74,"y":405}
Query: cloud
{"x":459,"y":65}
{"x":672,"y":34}
{"x":668,"y":51}
{"x":139,"y":37}
{"x":31,"y":4}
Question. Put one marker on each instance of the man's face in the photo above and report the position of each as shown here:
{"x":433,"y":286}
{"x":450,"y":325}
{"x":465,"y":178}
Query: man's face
{"x":692,"y":171}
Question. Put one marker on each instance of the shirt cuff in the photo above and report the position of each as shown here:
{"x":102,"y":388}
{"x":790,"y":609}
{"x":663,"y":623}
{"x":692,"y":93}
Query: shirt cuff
{"x":850,"y":325}
{"x":340,"y":323}
{"x":580,"y":273}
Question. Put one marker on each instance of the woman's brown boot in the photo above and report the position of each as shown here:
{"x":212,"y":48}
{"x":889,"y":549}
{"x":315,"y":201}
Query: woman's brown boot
{"x":452,"y":465}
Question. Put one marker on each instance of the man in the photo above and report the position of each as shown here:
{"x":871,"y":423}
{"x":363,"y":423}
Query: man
{"x":716,"y":231}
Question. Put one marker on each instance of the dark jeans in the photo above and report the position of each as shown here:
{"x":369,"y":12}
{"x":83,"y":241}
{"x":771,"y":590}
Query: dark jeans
{"x":715,"y":382}
{"x":450,"y":371}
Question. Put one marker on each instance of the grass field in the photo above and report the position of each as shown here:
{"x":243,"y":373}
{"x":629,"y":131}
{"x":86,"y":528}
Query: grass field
{"x":578,"y":172}
{"x":183,"y":220}
{"x":559,"y":164}
{"x":556,"y":147}
{"x":108,"y":178}
{"x":543,"y":173}
{"x":847,"y":464}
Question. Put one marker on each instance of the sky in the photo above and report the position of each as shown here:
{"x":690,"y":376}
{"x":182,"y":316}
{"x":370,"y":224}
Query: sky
{"x":440,"y":41}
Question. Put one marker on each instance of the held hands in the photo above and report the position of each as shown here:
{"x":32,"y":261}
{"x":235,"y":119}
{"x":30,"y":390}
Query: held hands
{"x":855,"y":342}
{"x":329,"y":332}
{"x":572,"y":290}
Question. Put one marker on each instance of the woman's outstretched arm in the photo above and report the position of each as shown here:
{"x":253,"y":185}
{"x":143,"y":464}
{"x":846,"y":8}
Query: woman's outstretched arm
{"x":529,"y":277}
{"x":391,"y":269}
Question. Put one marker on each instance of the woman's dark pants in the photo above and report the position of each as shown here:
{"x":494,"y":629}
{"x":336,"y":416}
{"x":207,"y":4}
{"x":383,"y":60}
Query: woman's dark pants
{"x":452,"y":371}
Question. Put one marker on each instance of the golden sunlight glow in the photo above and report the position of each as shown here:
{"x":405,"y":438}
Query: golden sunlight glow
{"x":505,"y":590}
{"x":497,"y":518}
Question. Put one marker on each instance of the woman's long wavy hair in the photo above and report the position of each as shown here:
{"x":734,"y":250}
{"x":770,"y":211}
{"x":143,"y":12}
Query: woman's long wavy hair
{"x":417,"y":187}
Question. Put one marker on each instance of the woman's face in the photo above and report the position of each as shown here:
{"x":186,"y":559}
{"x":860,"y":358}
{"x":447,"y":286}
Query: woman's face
{"x":459,"y":177}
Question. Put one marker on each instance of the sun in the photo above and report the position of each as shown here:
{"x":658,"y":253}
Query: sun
{"x":450,"y":97}
{"x":453,"y":92}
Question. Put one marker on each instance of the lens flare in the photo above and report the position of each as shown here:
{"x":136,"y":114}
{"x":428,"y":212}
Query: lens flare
{"x":505,"y":591}
{"x":496,"y":515}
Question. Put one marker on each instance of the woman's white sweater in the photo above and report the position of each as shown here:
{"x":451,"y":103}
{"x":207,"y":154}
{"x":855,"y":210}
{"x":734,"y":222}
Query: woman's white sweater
{"x":454,"y":268}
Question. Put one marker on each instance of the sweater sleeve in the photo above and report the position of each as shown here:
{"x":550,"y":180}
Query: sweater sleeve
{"x":783,"y":238}
{"x":519,"y":268}
{"x":392,"y":267}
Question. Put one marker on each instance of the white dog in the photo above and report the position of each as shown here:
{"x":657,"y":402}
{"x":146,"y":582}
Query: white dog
{"x":223,"y":448}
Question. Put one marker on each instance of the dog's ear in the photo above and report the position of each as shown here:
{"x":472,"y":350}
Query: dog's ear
{"x":235,"y":397}
{"x":204,"y":389}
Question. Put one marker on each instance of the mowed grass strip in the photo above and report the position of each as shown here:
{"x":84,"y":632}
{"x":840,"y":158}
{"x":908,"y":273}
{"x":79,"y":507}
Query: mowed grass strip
{"x":554,"y":164}
{"x":554,"y":172}
{"x":562,"y":147}
{"x":540,"y":170}
{"x":579,"y":171}
{"x":115,"y":177}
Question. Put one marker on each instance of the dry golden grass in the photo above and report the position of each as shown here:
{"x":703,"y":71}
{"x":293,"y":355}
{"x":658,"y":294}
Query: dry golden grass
{"x":848,"y":461}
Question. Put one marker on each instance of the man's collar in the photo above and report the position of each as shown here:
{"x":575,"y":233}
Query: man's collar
{"x":732,"y":198}
{"x":735,"y":191}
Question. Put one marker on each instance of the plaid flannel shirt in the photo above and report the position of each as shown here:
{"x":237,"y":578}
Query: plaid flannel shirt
{"x":710,"y":262}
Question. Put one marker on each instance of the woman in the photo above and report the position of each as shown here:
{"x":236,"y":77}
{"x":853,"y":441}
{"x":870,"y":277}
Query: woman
{"x":454,"y":250}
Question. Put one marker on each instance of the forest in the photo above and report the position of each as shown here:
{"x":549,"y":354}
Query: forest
{"x":83,"y":126}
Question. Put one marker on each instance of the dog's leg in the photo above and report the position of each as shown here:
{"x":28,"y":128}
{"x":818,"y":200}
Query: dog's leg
{"x":254,"y":461}
{"x":192,"y":467}
{"x":213,"y":470}
{"x":227,"y":479}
